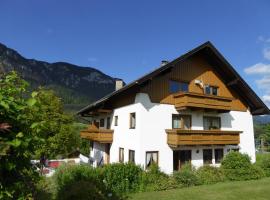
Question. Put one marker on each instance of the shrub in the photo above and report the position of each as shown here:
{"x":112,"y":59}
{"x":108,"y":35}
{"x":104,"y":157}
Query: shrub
{"x":208,"y":175}
{"x":80,"y":182}
{"x":263,"y":161}
{"x":237,"y":166}
{"x":155,"y":180}
{"x":186,"y":177}
{"x":122,"y":178}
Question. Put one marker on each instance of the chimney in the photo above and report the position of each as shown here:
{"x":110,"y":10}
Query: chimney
{"x":164,"y":62}
{"x":118,"y":84}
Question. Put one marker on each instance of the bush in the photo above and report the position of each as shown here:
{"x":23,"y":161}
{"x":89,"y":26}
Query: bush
{"x":237,"y":166}
{"x":186,"y":177}
{"x":263,"y":161}
{"x":155,"y":180}
{"x":122,"y":178}
{"x":80,"y":182}
{"x":210,"y":175}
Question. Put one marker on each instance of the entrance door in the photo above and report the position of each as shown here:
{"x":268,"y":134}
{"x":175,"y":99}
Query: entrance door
{"x":107,"y":153}
{"x":180,"y":158}
{"x":185,"y":157}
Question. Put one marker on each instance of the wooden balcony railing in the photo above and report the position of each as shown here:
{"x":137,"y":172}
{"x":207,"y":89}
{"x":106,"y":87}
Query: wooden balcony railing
{"x":186,"y":100}
{"x":96,"y":134}
{"x":178,"y":137}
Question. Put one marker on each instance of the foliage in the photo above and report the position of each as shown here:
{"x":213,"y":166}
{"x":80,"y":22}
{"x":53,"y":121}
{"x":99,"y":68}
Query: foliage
{"x":208,"y":175}
{"x":81,"y":182}
{"x":186,"y":176}
{"x":122,"y":178}
{"x":155,"y":180}
{"x":237,"y":166}
{"x":17,"y":176}
{"x":263,"y":161}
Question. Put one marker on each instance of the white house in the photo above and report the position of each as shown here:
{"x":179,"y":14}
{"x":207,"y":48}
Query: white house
{"x":194,"y":109}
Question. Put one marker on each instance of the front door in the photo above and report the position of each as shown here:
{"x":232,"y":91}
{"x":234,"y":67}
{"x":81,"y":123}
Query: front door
{"x":185,"y":157}
{"x":181,"y":157}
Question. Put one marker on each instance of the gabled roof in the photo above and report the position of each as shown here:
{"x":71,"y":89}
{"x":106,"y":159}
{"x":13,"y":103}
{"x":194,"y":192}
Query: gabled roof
{"x":222,"y":66}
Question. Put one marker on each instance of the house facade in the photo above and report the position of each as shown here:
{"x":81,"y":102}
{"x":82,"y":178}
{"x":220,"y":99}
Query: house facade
{"x":194,"y":109}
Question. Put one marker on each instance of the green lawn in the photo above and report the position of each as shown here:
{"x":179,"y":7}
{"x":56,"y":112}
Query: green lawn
{"x":246,"y":190}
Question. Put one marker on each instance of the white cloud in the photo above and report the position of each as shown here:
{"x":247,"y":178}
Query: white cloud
{"x":266,"y":53}
{"x":264,"y":83}
{"x":263,"y":39}
{"x":259,"y":68}
{"x":266,"y":99}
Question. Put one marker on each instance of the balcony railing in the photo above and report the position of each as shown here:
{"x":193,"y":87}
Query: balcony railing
{"x":186,"y":100}
{"x":97,"y":134}
{"x":180,"y":137}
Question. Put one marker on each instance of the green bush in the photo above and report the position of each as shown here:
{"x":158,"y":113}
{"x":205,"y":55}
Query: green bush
{"x":186,"y":176}
{"x":155,"y":180}
{"x":122,"y":178}
{"x":237,"y":166}
{"x":208,"y":175}
{"x":80,"y":182}
{"x":263,"y":161}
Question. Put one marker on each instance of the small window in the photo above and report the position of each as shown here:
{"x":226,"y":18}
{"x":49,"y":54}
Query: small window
{"x":218,"y":155}
{"x":101,"y":122}
{"x":131,"y":156}
{"x":177,"y":86}
{"x":108,"y":123}
{"x":181,"y":121}
{"x":211,"y":90}
{"x":132,"y":120}
{"x":151,"y":158}
{"x":121,"y":155}
{"x":207,"y":156}
{"x":115,"y":120}
{"x":211,"y":123}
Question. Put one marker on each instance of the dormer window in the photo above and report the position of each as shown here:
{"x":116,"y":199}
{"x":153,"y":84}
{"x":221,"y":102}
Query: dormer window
{"x":211,"y":90}
{"x":178,"y":86}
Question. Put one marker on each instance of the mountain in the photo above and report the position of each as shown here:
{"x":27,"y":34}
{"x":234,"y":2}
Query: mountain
{"x":265,"y":119}
{"x":76,"y":85}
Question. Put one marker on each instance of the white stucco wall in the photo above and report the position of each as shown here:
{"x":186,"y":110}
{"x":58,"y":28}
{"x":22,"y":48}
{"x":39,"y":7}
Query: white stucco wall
{"x":149,"y":135}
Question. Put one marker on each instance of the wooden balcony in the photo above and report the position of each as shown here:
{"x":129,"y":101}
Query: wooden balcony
{"x":191,"y":100}
{"x":178,"y":137}
{"x":98,"y":135}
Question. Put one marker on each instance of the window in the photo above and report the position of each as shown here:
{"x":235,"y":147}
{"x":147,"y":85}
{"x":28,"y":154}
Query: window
{"x":218,"y":155}
{"x":211,"y":123}
{"x":151,"y":158}
{"x":108,"y":123}
{"x":121,"y":155}
{"x":115,"y":120}
{"x":132,"y":120}
{"x":131,"y":156}
{"x":177,"y":86}
{"x":101,"y":122}
{"x":212,"y":90}
{"x":181,"y":121}
{"x":207,"y":156}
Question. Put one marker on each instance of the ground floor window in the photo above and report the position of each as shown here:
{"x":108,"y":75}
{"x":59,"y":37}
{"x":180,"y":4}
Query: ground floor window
{"x":131,"y":156}
{"x":151,"y":158}
{"x":218,"y":155}
{"x":121,"y":155}
{"x":207,"y":156}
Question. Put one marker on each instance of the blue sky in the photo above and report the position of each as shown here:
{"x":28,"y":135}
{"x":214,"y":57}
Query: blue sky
{"x":127,"y":39}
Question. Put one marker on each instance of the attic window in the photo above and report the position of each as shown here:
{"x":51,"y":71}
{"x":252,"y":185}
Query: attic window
{"x":178,"y":86}
{"x":212,"y":90}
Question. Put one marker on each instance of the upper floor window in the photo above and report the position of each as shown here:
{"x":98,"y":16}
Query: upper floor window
{"x":132,"y":120}
{"x":178,"y":86}
{"x":101,"y":122}
{"x":181,"y":121}
{"x":212,"y":90}
{"x":210,"y":123}
{"x":108,"y":123}
{"x":115,"y":120}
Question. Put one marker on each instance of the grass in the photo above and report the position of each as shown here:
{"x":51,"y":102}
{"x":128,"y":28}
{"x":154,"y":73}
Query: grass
{"x":246,"y":190}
